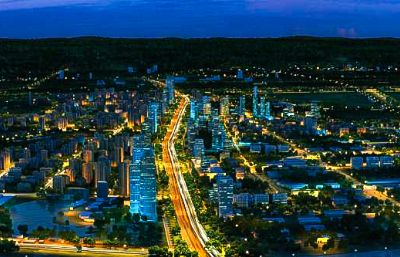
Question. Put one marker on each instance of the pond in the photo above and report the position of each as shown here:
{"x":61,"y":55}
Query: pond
{"x":41,"y":213}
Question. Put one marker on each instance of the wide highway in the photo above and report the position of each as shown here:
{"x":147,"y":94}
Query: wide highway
{"x":191,"y":229}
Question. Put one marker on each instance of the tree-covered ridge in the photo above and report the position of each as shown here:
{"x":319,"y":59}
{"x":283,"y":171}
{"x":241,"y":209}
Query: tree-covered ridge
{"x":173,"y":54}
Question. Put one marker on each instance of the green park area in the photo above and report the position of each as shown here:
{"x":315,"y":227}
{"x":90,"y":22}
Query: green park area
{"x":349,"y":99}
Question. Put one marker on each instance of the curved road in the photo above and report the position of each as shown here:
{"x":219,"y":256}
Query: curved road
{"x":192,"y":231}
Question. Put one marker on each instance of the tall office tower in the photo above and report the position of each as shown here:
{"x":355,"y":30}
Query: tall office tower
{"x":170,"y":86}
{"x":148,"y":193}
{"x":226,"y":142}
{"x":117,"y":156}
{"x":268,"y":110}
{"x":131,"y":116}
{"x":102,"y":170}
{"x":44,"y":155}
{"x":224,"y":106}
{"x":87,"y":172}
{"x":152,"y":116}
{"x":5,"y":160}
{"x":242,"y":105}
{"x":314,"y":112}
{"x":262,"y":106}
{"x":123,"y":172}
{"x":198,"y":148}
{"x":206,"y":106}
{"x":60,"y":182}
{"x":134,"y":174}
{"x":42,"y":123}
{"x":215,"y":133}
{"x":255,"y":102}
{"x":225,"y":196}
{"x":102,"y":189}
{"x":62,"y":123}
{"x":191,"y":133}
{"x":87,"y":156}
{"x":143,"y":179}
{"x":193,"y":109}
{"x":30,"y":98}
{"x":164,"y":101}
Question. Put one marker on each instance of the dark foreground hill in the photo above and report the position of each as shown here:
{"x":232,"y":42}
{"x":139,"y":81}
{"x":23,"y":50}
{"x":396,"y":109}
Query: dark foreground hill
{"x":180,"y":54}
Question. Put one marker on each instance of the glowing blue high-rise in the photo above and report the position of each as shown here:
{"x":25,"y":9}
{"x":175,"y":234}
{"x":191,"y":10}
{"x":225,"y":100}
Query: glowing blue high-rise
{"x":262,"y":106}
{"x":170,"y":87}
{"x":255,"y":102}
{"x":142,"y":179}
{"x":194,"y":111}
{"x":152,"y":116}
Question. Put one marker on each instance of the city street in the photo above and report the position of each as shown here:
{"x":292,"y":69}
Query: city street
{"x":185,"y":219}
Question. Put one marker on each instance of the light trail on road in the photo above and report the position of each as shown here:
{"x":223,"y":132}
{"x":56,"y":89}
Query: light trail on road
{"x":191,"y":229}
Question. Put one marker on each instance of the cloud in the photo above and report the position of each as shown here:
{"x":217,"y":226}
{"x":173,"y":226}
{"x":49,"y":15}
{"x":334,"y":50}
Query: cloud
{"x":307,"y":6}
{"x":33,"y":4}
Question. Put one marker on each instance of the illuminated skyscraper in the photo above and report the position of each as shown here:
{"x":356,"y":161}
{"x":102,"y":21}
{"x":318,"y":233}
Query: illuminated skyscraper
{"x":164,"y":101}
{"x":215,"y":132}
{"x":87,"y":172}
{"x":5,"y":160}
{"x":198,"y":148}
{"x":255,"y":102}
{"x":224,"y":106}
{"x":117,"y":156}
{"x":60,"y":182}
{"x":225,"y":196}
{"x":123,"y":170}
{"x":193,"y":109}
{"x":242,"y":105}
{"x":314,"y":112}
{"x":170,"y":86}
{"x":206,"y":106}
{"x":262,"y":106}
{"x":143,"y":180}
{"x":268,"y":111}
{"x":152,"y":116}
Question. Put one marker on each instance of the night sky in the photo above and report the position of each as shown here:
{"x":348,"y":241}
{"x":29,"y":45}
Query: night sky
{"x":199,"y":18}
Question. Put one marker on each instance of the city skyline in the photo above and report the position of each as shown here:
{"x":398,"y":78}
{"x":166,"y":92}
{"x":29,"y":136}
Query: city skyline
{"x":200,"y":128}
{"x":206,"y":18}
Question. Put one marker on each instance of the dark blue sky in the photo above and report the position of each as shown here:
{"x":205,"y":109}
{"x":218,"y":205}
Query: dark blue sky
{"x":199,"y":18}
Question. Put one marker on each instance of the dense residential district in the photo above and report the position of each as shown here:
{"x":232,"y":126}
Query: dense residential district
{"x":238,"y":161}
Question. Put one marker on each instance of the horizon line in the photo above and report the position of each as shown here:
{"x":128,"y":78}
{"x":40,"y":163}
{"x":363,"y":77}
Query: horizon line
{"x":194,"y":38}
